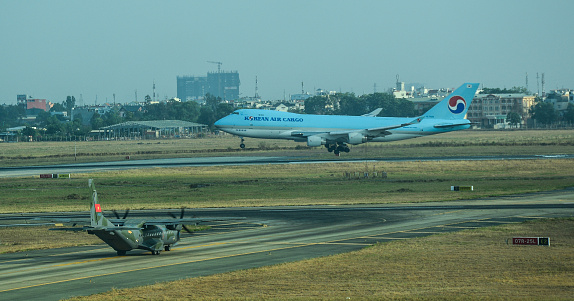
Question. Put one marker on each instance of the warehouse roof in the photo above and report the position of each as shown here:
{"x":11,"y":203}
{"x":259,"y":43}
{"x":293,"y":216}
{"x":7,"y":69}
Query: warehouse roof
{"x":154,"y":124}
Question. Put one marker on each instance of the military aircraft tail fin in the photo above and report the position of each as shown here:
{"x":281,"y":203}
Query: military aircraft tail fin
{"x":97,"y":218}
{"x":455,"y":105}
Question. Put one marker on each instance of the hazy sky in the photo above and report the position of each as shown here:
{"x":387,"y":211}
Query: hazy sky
{"x":51,"y":49}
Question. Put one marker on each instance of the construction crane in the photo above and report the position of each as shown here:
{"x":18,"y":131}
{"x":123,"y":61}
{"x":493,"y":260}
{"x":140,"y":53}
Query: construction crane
{"x":218,"y":65}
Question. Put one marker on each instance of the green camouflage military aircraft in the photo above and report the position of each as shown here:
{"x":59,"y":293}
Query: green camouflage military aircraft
{"x":124,"y":235}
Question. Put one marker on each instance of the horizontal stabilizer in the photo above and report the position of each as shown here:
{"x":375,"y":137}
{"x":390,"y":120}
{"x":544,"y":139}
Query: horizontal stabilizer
{"x":450,"y":125}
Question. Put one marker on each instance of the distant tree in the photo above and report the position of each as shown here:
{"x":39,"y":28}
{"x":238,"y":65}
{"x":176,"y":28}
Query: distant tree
{"x":224,"y":109}
{"x":11,"y":115}
{"x":30,"y":132}
{"x":544,"y":112}
{"x":97,"y":121}
{"x":513,"y":118}
{"x":317,"y":105}
{"x":392,"y":107}
{"x":350,"y":105}
{"x":69,"y":104}
{"x":211,"y":101}
{"x":206,"y":116}
{"x":112,"y":117}
{"x":187,"y":111}
{"x":58,"y":107}
{"x":42,"y":118}
{"x":513,"y":90}
{"x":54,"y":127}
{"x":569,"y":114}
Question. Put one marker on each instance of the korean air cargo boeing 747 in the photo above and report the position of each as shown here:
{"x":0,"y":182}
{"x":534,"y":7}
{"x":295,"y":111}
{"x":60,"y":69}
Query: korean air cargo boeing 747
{"x":335,"y":132}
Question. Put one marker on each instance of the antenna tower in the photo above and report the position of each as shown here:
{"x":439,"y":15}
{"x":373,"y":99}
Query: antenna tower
{"x":302,"y":89}
{"x":256,"y":89}
{"x":526,"y":81}
{"x":153,"y":91}
{"x":543,"y":82}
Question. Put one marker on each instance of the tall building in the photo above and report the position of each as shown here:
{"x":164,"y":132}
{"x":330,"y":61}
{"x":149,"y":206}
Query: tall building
{"x":191,"y":88}
{"x":219,"y":84}
{"x":33,"y":105}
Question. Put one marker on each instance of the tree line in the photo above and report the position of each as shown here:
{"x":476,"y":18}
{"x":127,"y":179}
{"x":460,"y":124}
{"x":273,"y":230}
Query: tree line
{"x":349,"y":104}
{"x":58,"y":127}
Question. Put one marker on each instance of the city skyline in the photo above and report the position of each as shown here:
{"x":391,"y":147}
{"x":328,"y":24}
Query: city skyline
{"x":59,"y":48}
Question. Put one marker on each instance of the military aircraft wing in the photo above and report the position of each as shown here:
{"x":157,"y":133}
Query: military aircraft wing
{"x":87,"y":228}
{"x":189,"y":220}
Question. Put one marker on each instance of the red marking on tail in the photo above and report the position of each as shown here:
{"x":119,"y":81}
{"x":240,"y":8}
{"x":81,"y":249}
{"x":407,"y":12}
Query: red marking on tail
{"x":98,"y":208}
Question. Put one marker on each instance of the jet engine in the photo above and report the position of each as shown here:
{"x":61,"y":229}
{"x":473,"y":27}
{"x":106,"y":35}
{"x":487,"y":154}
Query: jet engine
{"x":315,"y":141}
{"x":357,"y":138}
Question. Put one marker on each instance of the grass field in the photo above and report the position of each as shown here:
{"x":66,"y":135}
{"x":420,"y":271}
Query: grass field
{"x":295,"y":184}
{"x":527,"y":142}
{"x":465,"y":265}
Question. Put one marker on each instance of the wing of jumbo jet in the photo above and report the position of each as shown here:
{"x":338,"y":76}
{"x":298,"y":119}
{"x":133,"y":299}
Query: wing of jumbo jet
{"x":373,"y":132}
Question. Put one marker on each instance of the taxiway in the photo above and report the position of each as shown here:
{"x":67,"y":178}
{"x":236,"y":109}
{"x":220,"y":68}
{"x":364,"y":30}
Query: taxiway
{"x":268,"y":235}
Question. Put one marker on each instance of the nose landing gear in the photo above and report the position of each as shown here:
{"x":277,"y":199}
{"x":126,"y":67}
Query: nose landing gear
{"x":242,"y":145}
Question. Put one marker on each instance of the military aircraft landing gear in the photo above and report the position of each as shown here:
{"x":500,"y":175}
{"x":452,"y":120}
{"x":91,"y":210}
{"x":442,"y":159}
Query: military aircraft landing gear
{"x":167,"y":248}
{"x":242,"y":145}
{"x":155,"y":252}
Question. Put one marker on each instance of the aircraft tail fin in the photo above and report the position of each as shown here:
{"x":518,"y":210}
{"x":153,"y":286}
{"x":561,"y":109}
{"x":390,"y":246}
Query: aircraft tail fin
{"x":97,"y":218}
{"x":455,"y":105}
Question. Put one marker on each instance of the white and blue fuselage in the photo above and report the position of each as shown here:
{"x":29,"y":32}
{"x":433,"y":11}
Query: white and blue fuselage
{"x":335,"y":131}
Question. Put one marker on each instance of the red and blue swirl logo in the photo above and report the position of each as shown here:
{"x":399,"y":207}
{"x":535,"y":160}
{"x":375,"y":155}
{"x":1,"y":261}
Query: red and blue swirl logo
{"x":456,"y":104}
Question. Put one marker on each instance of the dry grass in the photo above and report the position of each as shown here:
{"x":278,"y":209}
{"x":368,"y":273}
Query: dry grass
{"x":470,"y":142}
{"x":22,"y":239}
{"x":299,"y":184}
{"x":475,"y":264}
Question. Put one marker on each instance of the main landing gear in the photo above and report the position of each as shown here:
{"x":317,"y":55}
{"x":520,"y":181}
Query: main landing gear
{"x":242,"y":145}
{"x":337,"y":148}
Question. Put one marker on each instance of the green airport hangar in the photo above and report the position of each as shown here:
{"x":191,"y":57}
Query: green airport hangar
{"x":157,"y":129}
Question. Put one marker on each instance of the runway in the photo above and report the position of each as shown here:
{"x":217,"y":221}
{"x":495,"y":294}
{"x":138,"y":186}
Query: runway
{"x":268,"y":235}
{"x":25,"y":171}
